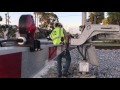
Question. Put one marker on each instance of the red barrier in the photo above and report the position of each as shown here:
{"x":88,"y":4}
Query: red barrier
{"x":52,"y":52}
{"x":10,"y":65}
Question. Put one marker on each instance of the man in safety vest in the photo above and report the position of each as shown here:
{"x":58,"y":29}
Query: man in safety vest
{"x":60,"y":36}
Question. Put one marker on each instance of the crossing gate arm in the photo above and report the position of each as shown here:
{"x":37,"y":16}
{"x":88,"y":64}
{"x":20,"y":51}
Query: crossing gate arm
{"x":91,"y":30}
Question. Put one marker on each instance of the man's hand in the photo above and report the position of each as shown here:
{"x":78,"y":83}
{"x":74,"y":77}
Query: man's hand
{"x":62,"y":39}
{"x":67,"y":41}
{"x":48,"y":38}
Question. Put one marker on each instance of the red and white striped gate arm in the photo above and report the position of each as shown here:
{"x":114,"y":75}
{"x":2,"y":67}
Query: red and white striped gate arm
{"x":19,"y":62}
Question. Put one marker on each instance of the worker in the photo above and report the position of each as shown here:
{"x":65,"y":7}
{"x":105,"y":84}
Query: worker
{"x":60,"y":36}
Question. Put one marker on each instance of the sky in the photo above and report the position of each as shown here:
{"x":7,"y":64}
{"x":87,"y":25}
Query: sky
{"x":70,"y":20}
{"x":64,"y":17}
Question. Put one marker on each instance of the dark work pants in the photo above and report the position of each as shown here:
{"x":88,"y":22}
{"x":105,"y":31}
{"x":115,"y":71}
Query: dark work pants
{"x":67,"y":63}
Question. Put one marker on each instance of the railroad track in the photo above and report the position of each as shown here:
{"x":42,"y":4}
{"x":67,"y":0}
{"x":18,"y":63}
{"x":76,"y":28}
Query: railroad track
{"x":107,"y":47}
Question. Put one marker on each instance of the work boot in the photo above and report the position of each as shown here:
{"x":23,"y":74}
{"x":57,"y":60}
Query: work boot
{"x":59,"y":76}
{"x":67,"y":74}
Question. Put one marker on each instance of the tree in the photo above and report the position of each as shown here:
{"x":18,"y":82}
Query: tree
{"x":47,"y":19}
{"x":11,"y":31}
{"x":114,"y":18}
{"x":96,"y":17}
{"x":91,"y":18}
{"x":105,"y":21}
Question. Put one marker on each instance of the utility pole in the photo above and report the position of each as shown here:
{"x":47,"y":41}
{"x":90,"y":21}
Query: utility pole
{"x":35,"y":18}
{"x":0,"y":18}
{"x":83,"y":18}
{"x":6,"y":18}
{"x":95,"y":17}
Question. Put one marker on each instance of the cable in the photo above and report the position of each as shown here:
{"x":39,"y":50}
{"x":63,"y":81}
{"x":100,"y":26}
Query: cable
{"x":80,"y":52}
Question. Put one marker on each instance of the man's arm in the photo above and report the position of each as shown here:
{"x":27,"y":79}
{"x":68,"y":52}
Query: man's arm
{"x":67,"y":37}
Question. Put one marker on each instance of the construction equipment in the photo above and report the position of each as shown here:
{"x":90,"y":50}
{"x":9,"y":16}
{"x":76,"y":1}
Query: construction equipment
{"x":24,"y":56}
{"x":85,"y":47}
{"x":26,"y":30}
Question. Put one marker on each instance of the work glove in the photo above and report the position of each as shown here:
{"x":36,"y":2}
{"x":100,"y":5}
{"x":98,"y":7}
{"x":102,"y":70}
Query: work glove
{"x":48,"y":38}
{"x":62,"y":39}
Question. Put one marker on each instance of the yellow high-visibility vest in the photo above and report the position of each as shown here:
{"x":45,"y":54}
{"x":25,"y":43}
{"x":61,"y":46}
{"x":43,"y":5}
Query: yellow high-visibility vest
{"x":56,"y":35}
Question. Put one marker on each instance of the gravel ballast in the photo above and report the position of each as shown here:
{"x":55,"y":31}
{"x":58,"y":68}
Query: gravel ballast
{"x":109,"y":65}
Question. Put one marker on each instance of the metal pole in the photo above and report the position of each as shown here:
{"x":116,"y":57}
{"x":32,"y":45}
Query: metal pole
{"x":95,"y":21}
{"x":35,"y":18}
{"x":8,"y":19}
{"x":83,"y":18}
